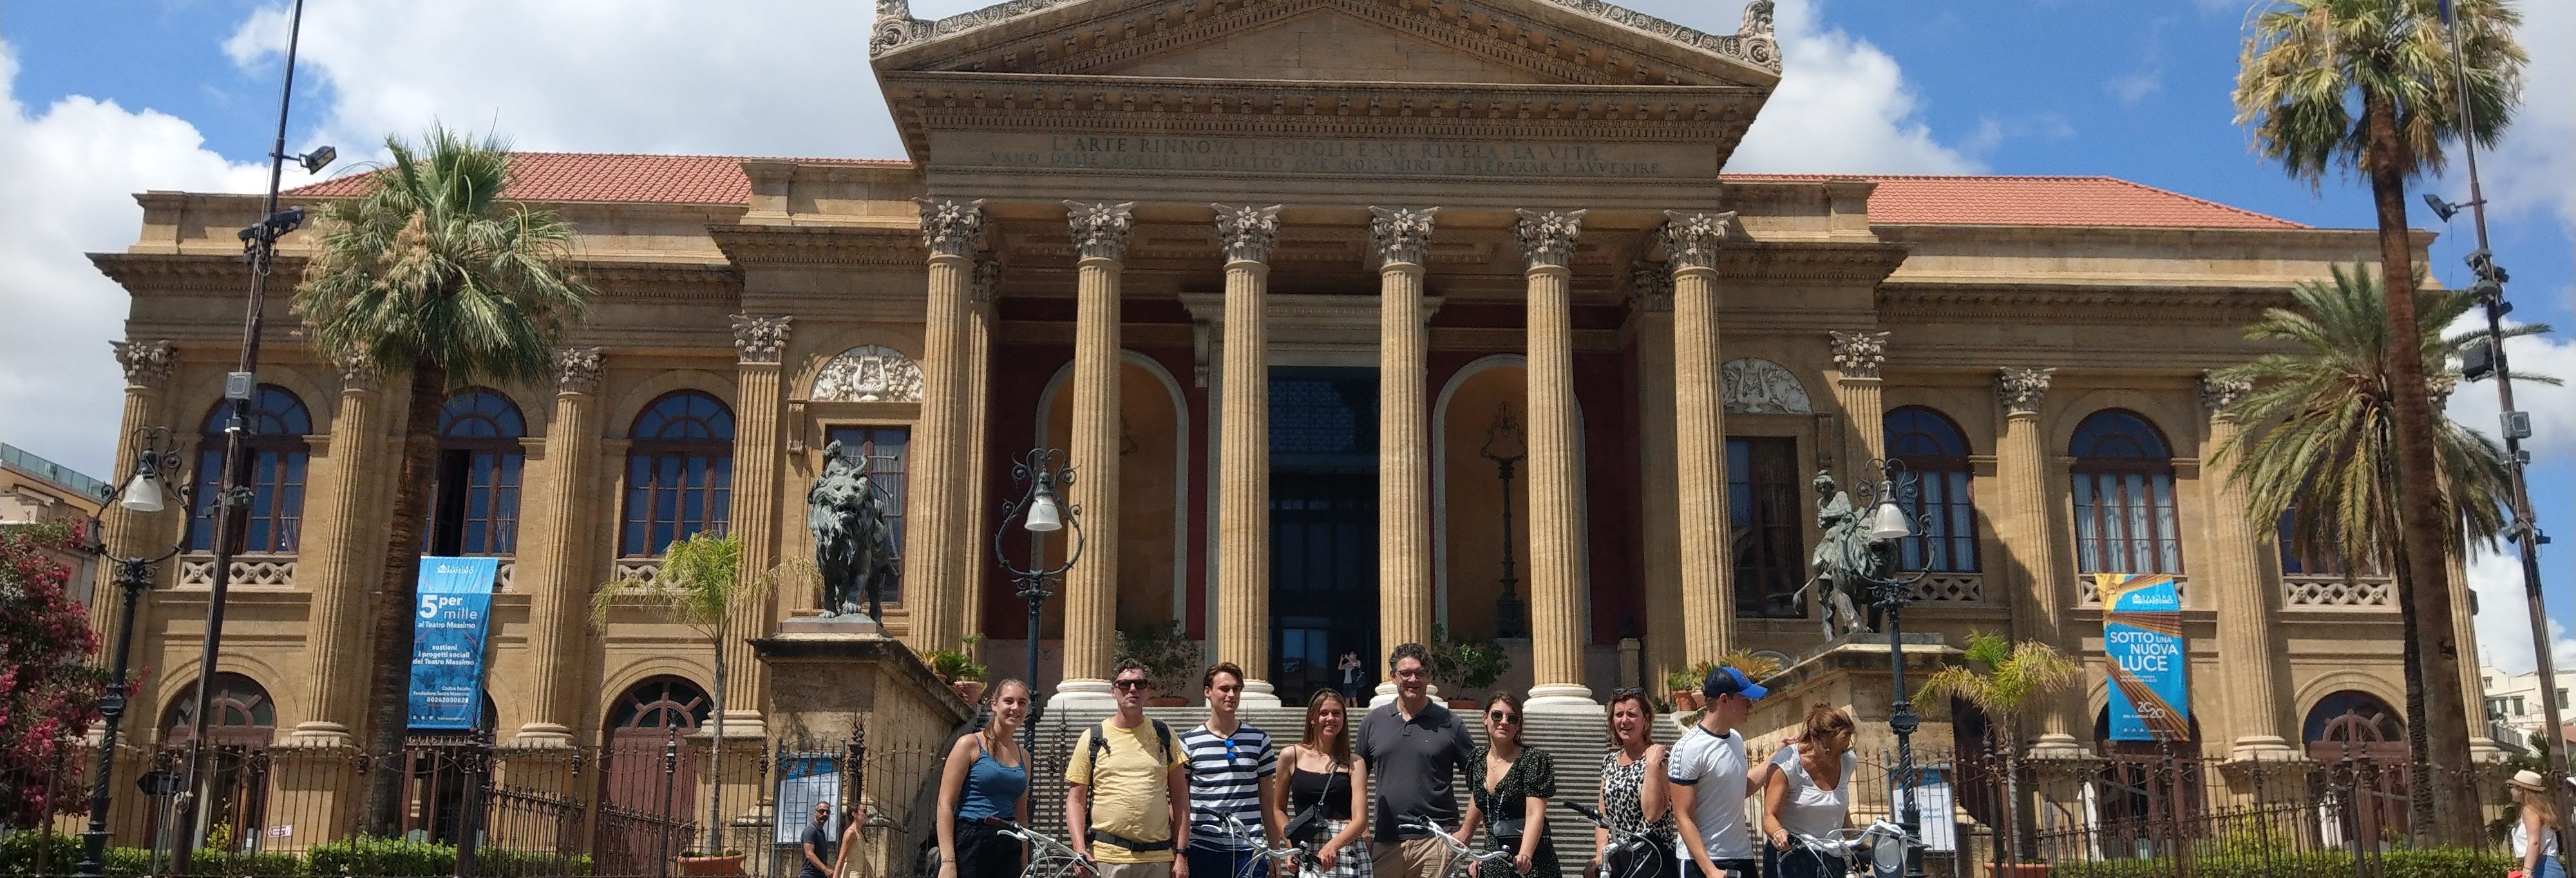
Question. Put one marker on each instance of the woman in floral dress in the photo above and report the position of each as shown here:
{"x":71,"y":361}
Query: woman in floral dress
{"x":1512,"y":784}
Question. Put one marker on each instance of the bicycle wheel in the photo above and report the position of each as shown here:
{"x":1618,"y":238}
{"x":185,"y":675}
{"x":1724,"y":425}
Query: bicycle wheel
{"x":1053,"y":867}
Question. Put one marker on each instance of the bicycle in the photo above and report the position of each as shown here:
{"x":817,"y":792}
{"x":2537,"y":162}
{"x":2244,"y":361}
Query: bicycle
{"x":1459,"y":853}
{"x":1048,"y":858}
{"x":1243,"y":837}
{"x":1884,"y":844}
{"x":1621,"y":842}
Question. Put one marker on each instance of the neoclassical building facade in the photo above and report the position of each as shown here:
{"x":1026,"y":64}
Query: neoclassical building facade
{"x":1354,"y":317}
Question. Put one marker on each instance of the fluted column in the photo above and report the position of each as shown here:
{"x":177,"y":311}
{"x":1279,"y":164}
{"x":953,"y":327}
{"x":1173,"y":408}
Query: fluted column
{"x":970,"y":485}
{"x":1556,"y":555}
{"x":338,"y":562}
{"x":2482,"y":746}
{"x":2039,"y":608}
{"x":1100,"y":231}
{"x":1650,"y":329}
{"x":1401,"y":237}
{"x":2249,"y":606}
{"x":147,"y":376}
{"x":1699,"y":434}
{"x":1246,"y":234}
{"x":758,"y":451}
{"x":1857,"y":356}
{"x":554,"y":558}
{"x":936,"y":545}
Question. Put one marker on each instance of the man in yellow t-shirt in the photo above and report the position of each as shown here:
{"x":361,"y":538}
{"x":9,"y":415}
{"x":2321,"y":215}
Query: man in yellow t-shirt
{"x":1130,"y":789}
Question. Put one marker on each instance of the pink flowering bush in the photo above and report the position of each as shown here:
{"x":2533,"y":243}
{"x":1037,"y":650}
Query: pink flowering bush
{"x":49,"y":682}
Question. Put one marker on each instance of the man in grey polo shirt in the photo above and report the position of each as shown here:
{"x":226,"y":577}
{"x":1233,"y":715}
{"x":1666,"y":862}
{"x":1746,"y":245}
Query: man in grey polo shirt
{"x":1412,"y":747}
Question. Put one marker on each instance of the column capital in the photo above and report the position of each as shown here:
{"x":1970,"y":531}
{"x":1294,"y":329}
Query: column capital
{"x":1401,"y":234}
{"x":1691,"y":238}
{"x":952,"y":227}
{"x":986,"y":284}
{"x":1247,"y":233}
{"x":1859,"y":353}
{"x":577,"y":370}
{"x":1547,"y":236}
{"x":1650,"y":287}
{"x":146,"y":363}
{"x":1100,"y":229}
{"x":357,"y":370}
{"x":760,"y":339}
{"x":2020,"y":388}
{"x":2220,"y":392}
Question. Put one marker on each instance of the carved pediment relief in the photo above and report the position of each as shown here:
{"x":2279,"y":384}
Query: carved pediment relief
{"x":1324,"y":42}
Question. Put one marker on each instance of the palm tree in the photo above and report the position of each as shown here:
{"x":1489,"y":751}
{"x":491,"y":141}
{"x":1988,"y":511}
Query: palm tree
{"x":2369,"y":85}
{"x":431,"y":271}
{"x":2324,"y":442}
{"x":2016,"y":676}
{"x":697,"y":586}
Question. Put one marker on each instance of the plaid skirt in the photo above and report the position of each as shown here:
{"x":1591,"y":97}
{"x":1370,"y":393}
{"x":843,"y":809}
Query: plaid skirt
{"x":1349,"y":862}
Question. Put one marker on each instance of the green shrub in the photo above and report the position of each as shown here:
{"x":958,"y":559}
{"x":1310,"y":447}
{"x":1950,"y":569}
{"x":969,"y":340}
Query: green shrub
{"x":2237,"y":862}
{"x":18,"y":855}
{"x":391,"y":857}
{"x":245,"y":864}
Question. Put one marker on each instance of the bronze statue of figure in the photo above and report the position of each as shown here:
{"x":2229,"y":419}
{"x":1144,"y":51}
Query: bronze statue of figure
{"x":1847,"y":560}
{"x":853,"y":545}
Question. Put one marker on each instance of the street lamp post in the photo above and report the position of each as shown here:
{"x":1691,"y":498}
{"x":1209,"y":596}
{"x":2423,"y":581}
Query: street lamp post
{"x":241,"y":386}
{"x":142,"y":492}
{"x":1044,"y":473}
{"x":1506,"y":445}
{"x":1887,"y":523}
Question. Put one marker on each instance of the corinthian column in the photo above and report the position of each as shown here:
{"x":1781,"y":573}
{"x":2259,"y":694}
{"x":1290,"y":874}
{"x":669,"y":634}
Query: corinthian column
{"x":1401,"y":237}
{"x":1650,"y":328}
{"x":127,"y":533}
{"x":2248,"y":605}
{"x":338,"y":552}
{"x":936,"y":546}
{"x":1556,"y":558}
{"x":554,"y":559}
{"x":1243,"y":454}
{"x":970,"y":484}
{"x":1100,"y":232}
{"x":2039,"y":608}
{"x":1857,"y":356}
{"x":1699,"y":435}
{"x":759,"y":342}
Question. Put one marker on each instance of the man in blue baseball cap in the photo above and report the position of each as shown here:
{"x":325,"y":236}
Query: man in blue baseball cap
{"x":1711,"y":779}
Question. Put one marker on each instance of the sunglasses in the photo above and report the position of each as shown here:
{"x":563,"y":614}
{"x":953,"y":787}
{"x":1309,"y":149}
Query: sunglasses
{"x":1504,"y":718}
{"x":1128,"y":684}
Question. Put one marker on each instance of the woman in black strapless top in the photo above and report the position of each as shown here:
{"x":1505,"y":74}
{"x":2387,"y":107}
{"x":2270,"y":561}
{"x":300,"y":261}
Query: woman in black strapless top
{"x":1322,"y":775}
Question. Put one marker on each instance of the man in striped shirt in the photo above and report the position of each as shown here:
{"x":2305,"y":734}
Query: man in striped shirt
{"x":1230,"y":768}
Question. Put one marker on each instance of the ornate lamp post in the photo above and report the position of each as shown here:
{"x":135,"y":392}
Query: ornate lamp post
{"x":1043,"y":472}
{"x":145,"y":492}
{"x":1505,"y":445}
{"x":1886,"y":523}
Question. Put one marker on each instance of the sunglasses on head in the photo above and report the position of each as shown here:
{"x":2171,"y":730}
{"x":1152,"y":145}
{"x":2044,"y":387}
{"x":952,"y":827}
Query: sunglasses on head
{"x":1128,"y":684}
{"x":1625,"y":691}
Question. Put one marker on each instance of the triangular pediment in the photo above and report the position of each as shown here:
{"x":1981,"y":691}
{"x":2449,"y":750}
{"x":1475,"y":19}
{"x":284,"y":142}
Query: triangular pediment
{"x":1498,"y":42}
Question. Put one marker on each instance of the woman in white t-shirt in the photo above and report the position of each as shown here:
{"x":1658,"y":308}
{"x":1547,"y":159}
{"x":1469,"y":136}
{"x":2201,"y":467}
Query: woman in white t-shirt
{"x":1809,"y":795}
{"x":2535,"y":823}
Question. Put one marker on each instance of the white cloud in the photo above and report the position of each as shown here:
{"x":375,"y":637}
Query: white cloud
{"x":67,"y":178}
{"x":2503,"y":621}
{"x":1842,"y":105}
{"x":2135,"y":87}
{"x":2534,"y":169}
{"x":2552,"y":409}
{"x":1993,"y":132}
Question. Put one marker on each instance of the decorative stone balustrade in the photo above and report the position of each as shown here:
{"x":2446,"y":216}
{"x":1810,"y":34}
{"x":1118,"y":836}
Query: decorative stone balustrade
{"x":647,"y":570}
{"x":2088,"y":596}
{"x":2337,"y":592}
{"x":1951,"y":588}
{"x":260,"y":570}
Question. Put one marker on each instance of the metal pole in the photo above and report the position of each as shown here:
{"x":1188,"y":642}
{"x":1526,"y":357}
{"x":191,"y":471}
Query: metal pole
{"x":1033,"y":590}
{"x":132,"y":575}
{"x":670,"y":768}
{"x":1904,"y":722}
{"x":2525,"y":531}
{"x":241,"y":388}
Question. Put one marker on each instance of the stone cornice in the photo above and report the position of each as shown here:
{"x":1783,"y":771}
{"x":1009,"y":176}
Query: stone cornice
{"x":1173,"y":105}
{"x":2122,"y":304}
{"x":193,"y":274}
{"x":822,"y":245}
{"x":1807,"y":261}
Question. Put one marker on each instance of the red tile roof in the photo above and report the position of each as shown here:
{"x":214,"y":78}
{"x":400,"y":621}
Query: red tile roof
{"x":586,"y":176}
{"x":2036,"y":201}
{"x":1899,"y":198}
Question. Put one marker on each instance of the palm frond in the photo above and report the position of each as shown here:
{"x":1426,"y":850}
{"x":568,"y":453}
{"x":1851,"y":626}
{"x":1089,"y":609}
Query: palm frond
{"x":2304,"y":65}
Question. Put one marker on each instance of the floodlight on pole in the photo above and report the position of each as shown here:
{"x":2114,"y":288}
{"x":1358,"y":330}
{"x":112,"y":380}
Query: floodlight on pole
{"x":321,"y":157}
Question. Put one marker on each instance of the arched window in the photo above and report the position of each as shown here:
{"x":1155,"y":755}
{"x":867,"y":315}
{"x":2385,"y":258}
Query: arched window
{"x":2124,"y":496}
{"x":1933,"y":447}
{"x":274,"y":458}
{"x":679,"y":472}
{"x":475,"y":508}
{"x":239,"y":712}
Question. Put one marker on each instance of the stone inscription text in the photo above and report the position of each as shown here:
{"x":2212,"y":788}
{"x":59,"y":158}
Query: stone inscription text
{"x":1314,"y":156}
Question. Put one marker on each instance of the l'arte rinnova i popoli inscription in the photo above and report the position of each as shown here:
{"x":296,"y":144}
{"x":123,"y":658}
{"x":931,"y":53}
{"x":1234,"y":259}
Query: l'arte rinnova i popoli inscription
{"x":1324,"y":156}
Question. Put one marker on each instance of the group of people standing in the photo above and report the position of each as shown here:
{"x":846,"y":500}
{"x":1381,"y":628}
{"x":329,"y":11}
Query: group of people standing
{"x":1145,"y":801}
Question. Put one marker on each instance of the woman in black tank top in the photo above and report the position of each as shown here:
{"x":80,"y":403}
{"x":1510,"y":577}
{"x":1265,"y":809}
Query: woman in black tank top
{"x":1322,"y":775}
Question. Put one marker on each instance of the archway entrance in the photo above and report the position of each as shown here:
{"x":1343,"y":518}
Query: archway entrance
{"x":1323,"y":524}
{"x":241,"y":720}
{"x":2362,"y":743}
{"x":647,"y":777}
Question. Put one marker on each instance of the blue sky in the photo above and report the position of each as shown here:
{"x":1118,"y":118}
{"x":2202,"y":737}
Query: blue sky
{"x":107,"y":98}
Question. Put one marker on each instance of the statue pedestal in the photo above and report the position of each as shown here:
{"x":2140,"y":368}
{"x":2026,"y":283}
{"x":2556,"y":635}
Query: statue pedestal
{"x":831,"y":680}
{"x":1853,"y":672}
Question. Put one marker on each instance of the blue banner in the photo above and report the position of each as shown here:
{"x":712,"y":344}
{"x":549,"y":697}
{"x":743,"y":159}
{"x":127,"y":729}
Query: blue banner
{"x":2143,"y":654}
{"x":448,"y":630}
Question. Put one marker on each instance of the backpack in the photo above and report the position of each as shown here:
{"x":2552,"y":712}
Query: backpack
{"x":1100,"y":741}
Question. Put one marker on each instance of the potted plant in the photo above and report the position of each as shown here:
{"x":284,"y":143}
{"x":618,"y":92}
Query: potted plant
{"x":698,"y":586}
{"x":716,"y":865}
{"x":962,"y":674}
{"x":1684,"y":683}
{"x":1466,"y":665}
{"x":2014,"y":676}
{"x":1169,"y":656}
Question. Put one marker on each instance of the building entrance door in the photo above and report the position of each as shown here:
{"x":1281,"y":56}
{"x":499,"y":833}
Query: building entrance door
{"x":1323,"y":525}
